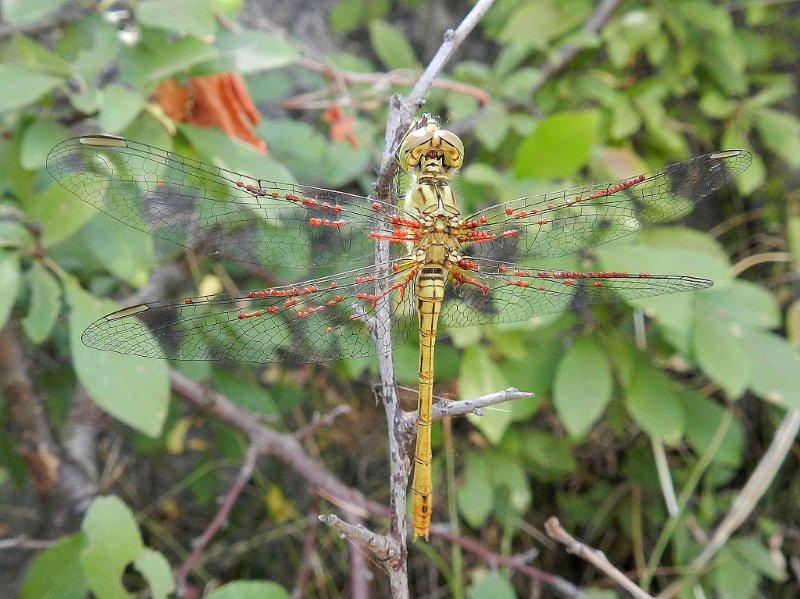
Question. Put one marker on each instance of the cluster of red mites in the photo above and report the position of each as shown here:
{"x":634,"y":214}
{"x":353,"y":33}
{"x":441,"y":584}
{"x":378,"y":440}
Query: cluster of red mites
{"x":474,"y":224}
{"x":326,"y":222}
{"x":364,"y":279}
{"x":460,"y":279}
{"x":468,"y":264}
{"x":282,"y":292}
{"x":610,"y":190}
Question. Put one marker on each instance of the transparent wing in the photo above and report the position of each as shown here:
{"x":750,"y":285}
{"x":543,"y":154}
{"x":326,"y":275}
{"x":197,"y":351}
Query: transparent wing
{"x":562,"y":222}
{"x":313,"y":321}
{"x":497,"y":292}
{"x":216,"y":211}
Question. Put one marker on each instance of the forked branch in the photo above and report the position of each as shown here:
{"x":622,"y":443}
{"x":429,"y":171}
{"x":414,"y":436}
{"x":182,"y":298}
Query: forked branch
{"x":595,"y":557}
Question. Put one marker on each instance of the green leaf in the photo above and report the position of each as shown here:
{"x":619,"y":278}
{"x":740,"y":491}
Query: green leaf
{"x":249,"y":589}
{"x":184,"y":17}
{"x":45,"y":304}
{"x":582,"y":387}
{"x":751,"y":552}
{"x":156,"y":569}
{"x":493,"y":126}
{"x":475,"y":495}
{"x":492,"y":586}
{"x":780,"y":132}
{"x":132,"y":389}
{"x":9,"y":283}
{"x":56,"y":572}
{"x":124,"y":251}
{"x":146,"y":65}
{"x":703,"y":418}
{"x":112,"y":542}
{"x":537,"y":23}
{"x":742,"y":303}
{"x":652,"y":402}
{"x":58,"y":213}
{"x":229,"y":153}
{"x":119,"y":106}
{"x":20,"y":86}
{"x":391,"y":46}
{"x":547,"y":451}
{"x":480,"y":376}
{"x":252,"y":51}
{"x":37,"y":141}
{"x":346,"y":15}
{"x":732,"y":578}
{"x":19,"y":12}
{"x":720,"y":348}
{"x":558,"y":147}
{"x":775,"y":369}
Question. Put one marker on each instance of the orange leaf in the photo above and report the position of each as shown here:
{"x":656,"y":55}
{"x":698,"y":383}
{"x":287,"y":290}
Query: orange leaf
{"x":173,"y":99}
{"x":341,"y":126}
{"x":222,"y":100}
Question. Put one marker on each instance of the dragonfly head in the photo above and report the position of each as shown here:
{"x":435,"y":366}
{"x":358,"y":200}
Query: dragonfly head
{"x":428,"y":149}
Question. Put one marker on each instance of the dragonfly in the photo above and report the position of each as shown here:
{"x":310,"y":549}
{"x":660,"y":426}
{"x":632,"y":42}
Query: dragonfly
{"x":443,"y":269}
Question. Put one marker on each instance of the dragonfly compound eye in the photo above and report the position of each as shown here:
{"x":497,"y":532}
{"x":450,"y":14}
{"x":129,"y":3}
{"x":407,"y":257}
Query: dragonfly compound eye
{"x":430,"y":141}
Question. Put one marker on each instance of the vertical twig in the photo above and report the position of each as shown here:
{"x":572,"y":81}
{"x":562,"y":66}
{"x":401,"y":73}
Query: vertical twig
{"x":228,"y":502}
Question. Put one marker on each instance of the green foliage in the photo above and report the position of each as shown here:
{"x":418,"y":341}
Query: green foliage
{"x":95,"y":559}
{"x":658,"y":83}
{"x":558,"y":147}
{"x":247,"y":589}
{"x":391,"y":46}
{"x":583,"y":386}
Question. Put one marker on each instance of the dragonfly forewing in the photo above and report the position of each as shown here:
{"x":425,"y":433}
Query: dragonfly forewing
{"x":313,"y":321}
{"x":216,"y":211}
{"x":554,"y":224}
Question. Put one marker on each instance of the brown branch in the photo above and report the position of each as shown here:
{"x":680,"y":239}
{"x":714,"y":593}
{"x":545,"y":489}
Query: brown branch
{"x":284,"y":446}
{"x":304,"y":572}
{"x":400,"y":77}
{"x":378,"y":546}
{"x":64,"y":488}
{"x":359,"y":575}
{"x":595,"y":557}
{"x":319,"y":421}
{"x":228,"y":502}
{"x":567,"y":52}
{"x":745,"y":501}
{"x":557,"y":584}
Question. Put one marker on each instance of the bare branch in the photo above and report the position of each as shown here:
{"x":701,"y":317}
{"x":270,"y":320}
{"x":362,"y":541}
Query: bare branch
{"x":595,"y":557}
{"x":476,"y":405}
{"x":319,"y":421}
{"x":61,"y":484}
{"x":516,"y":563}
{"x":567,"y":52}
{"x":23,"y":542}
{"x":304,"y":572}
{"x":231,"y":496}
{"x":378,"y":546}
{"x":746,"y":501}
{"x":284,"y":446}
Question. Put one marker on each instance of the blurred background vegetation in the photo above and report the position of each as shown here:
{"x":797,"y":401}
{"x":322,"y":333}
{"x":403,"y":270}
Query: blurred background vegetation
{"x":706,"y":377}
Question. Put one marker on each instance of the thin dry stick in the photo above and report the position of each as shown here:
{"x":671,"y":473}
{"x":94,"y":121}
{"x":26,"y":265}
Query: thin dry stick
{"x":304,"y":573}
{"x":594,"y":556}
{"x":556,"y":584}
{"x":746,"y":501}
{"x":231,"y":496}
{"x":467,"y":406}
{"x":319,"y":421}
